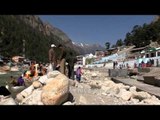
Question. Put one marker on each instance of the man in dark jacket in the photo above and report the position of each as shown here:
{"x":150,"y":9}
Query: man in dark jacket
{"x":71,"y":61}
{"x":52,"y":56}
{"x":62,"y":60}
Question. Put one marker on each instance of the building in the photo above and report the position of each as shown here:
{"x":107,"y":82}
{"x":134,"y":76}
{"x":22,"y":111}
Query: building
{"x":79,"y":59}
{"x":112,"y":51}
{"x":135,"y":53}
{"x":99,"y":53}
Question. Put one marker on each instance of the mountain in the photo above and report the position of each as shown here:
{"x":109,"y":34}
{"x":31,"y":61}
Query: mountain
{"x":49,"y":30}
{"x":46,"y":28}
{"x":87,"y":48}
{"x":30,"y":32}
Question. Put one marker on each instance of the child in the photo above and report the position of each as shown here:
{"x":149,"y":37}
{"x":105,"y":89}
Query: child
{"x":78,"y":74}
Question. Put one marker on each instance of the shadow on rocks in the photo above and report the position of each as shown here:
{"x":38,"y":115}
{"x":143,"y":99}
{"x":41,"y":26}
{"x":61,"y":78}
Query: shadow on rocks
{"x":70,"y":98}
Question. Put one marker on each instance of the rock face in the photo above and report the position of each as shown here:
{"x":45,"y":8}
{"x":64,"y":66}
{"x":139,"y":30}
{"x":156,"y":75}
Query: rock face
{"x":56,"y":91}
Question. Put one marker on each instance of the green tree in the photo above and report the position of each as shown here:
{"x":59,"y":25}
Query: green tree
{"x":128,"y":39}
{"x":113,"y":46}
{"x":14,"y":29}
{"x":119,"y":42}
{"x":89,"y":60}
{"x":107,"y":44}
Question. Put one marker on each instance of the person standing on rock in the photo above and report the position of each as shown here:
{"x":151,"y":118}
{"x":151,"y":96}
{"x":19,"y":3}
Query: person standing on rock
{"x":71,"y":61}
{"x":52,"y":56}
{"x":62,"y":59}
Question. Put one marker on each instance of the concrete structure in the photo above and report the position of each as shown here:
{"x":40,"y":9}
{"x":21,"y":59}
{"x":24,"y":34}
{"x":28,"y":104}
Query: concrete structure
{"x":118,"y":72}
{"x":80,"y":59}
{"x":83,"y":61}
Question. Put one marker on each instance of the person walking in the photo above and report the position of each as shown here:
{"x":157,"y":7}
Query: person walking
{"x":78,"y":74}
{"x":52,"y":56}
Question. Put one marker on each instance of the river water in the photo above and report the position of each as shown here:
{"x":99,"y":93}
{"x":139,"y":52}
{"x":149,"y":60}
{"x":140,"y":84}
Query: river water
{"x":4,"y":78}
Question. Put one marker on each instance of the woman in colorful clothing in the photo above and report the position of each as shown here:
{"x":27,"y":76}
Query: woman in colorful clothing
{"x":78,"y":74}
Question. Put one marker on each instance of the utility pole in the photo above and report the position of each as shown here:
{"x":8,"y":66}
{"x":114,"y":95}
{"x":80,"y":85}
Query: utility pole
{"x":23,"y":48}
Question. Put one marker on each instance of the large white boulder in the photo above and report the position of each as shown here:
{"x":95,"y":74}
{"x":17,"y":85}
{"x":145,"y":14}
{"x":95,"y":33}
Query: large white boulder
{"x":25,"y":93}
{"x":7,"y":100}
{"x":124,"y":94}
{"x":33,"y":99}
{"x":56,"y":91}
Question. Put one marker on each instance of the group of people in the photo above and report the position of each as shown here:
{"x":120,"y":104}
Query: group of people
{"x":17,"y":82}
{"x":115,"y":64}
{"x":57,"y":58}
{"x":35,"y":70}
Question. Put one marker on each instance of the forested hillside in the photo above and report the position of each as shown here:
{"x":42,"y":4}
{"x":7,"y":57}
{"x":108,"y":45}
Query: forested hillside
{"x":141,"y":36}
{"x":15,"y":29}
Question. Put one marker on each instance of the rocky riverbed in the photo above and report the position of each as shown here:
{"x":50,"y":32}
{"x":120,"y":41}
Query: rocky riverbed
{"x":96,"y":88}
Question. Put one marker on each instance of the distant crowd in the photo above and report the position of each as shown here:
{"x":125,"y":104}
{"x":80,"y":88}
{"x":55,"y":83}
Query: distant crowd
{"x":57,"y":61}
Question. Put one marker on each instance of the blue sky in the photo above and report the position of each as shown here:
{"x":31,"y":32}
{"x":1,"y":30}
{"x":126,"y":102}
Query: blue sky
{"x":93,"y":29}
